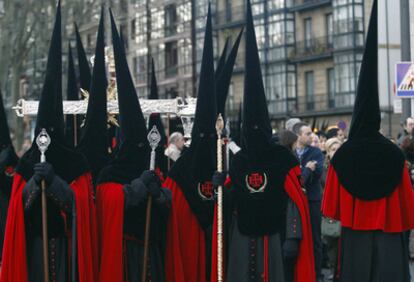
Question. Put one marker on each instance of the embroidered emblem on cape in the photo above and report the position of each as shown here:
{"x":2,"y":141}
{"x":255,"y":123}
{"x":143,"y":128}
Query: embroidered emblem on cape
{"x":256,"y":182}
{"x":9,"y":171}
{"x":206,"y":190}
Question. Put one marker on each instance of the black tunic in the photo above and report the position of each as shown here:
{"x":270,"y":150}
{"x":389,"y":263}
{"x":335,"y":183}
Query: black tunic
{"x":373,"y":256}
{"x":134,"y":230}
{"x":59,"y":205}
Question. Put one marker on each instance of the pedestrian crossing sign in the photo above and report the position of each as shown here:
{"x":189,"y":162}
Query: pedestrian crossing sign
{"x":404,"y":73}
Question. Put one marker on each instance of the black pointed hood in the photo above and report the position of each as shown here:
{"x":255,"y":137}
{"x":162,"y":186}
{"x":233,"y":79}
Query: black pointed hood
{"x":258,"y":171}
{"x":72,"y":94}
{"x":154,"y":87}
{"x":256,"y":129}
{"x":224,"y":77}
{"x":206,"y":108}
{"x":155,"y":119}
{"x":50,"y":111}
{"x":368,"y":165}
{"x":94,"y":134}
{"x":222,"y":59}
{"x":366,"y":116}
{"x":5,"y":140}
{"x":85,"y":77}
{"x":133,"y":155}
{"x":66,"y":162}
{"x":4,"y":127}
{"x":194,"y":169}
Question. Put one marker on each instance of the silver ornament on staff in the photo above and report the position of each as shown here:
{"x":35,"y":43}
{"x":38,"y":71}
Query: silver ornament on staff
{"x":219,"y":130}
{"x":43,"y":141}
{"x":154,"y":138}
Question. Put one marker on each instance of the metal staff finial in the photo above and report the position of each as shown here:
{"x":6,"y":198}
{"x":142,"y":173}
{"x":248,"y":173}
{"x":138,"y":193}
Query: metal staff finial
{"x":43,"y":141}
{"x":154,"y":138}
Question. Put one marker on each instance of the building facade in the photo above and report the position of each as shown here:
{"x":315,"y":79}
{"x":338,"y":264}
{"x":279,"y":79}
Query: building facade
{"x":310,"y":50}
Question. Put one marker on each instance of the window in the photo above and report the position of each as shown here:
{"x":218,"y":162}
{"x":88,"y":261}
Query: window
{"x":329,"y":30}
{"x":308,"y":32}
{"x":170,"y":16}
{"x":310,"y":90}
{"x":171,"y":59}
{"x":330,"y":75}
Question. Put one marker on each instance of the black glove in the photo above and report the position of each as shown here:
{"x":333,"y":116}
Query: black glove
{"x":152,"y":182}
{"x":5,"y":157}
{"x":291,"y":248}
{"x":43,"y":171}
{"x":218,"y":178}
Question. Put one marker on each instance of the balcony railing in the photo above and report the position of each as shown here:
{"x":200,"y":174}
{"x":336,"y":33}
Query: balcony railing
{"x":303,"y":5}
{"x":325,"y":102}
{"x":315,"y":48}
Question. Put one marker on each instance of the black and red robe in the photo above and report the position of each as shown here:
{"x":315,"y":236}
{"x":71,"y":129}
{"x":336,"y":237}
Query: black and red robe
{"x":21,"y":249}
{"x":372,"y":240}
{"x":121,"y":216}
{"x":250,"y":257}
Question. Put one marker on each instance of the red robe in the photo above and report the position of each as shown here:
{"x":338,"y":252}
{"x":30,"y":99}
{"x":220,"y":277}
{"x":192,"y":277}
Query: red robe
{"x":185,"y":257}
{"x":394,"y":213}
{"x":14,"y":265}
{"x":110,"y":215}
{"x":305,"y":264}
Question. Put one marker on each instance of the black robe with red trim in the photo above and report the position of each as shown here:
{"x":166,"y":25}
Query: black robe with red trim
{"x":22,"y":252}
{"x":262,"y":257}
{"x":121,"y":216}
{"x":372,"y":241}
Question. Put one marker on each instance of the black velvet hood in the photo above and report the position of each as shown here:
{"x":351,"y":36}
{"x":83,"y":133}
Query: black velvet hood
{"x":72,"y":94}
{"x":194,"y":169}
{"x":85,"y":76}
{"x":93,"y":143}
{"x":134,"y":152}
{"x":5,"y":141}
{"x":67,"y":163}
{"x":258,"y":171}
{"x":161,"y":161}
{"x":368,"y":165}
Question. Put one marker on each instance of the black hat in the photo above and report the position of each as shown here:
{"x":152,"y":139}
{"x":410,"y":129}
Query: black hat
{"x":368,"y":165}
{"x":222,"y":59}
{"x":84,"y":68}
{"x":50,"y":111}
{"x":66,"y":162}
{"x":5,"y":141}
{"x":93,"y":143}
{"x":72,"y":94}
{"x":133,"y":155}
{"x":259,"y":169}
{"x":155,"y":119}
{"x":194,"y":169}
{"x":4,"y":127}
{"x":224,"y":77}
{"x":256,"y":129}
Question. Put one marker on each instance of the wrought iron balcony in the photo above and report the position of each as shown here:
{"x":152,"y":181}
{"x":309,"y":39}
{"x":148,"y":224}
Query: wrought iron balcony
{"x":312,"y":49}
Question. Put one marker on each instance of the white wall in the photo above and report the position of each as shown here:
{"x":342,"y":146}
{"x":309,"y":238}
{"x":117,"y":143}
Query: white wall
{"x":389,"y":48}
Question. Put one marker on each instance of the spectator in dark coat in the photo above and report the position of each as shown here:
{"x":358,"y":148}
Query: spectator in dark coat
{"x":312,"y":162}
